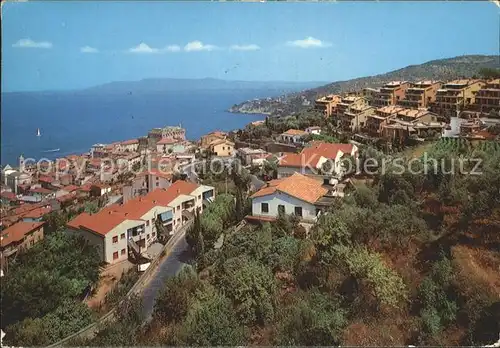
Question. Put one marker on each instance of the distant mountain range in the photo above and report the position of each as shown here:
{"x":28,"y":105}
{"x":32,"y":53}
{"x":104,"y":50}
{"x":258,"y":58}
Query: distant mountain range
{"x":441,"y":69}
{"x":160,"y":85}
{"x":164,"y":85}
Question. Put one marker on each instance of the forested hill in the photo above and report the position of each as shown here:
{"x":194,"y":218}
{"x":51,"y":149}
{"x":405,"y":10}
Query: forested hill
{"x":441,"y":69}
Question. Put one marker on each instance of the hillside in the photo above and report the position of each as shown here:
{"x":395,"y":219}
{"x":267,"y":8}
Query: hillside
{"x":441,"y":69}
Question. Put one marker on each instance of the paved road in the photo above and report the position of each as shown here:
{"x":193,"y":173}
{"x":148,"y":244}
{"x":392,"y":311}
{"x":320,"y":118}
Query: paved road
{"x":178,"y":257}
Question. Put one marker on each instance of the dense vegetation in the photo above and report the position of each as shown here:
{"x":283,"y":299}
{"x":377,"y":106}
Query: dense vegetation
{"x":43,"y":290}
{"x":396,"y":251}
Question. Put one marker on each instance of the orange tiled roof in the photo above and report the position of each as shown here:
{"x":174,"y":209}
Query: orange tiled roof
{"x":37,"y":213}
{"x":113,"y":215}
{"x":295,"y":132}
{"x":221,"y":141}
{"x":312,"y":154}
{"x":16,"y":232}
{"x":297,"y":185}
{"x":391,"y":109}
{"x":70,"y":188}
{"x":130,"y":142}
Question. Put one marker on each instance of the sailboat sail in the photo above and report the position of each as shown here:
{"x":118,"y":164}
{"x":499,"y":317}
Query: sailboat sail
{"x":38,"y":132}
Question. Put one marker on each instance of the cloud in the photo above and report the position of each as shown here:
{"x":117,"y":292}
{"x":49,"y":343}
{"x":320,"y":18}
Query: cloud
{"x":308,"y":42}
{"x":88,"y":49}
{"x":143,"y":48}
{"x":251,"y":47}
{"x":172,"y":48}
{"x":28,"y":43}
{"x":198,"y":46}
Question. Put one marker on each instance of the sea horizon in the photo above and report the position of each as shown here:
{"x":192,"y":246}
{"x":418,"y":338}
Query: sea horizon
{"x":71,"y":124}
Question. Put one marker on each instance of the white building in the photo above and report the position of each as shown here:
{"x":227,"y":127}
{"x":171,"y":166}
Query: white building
{"x":298,"y":194}
{"x":293,"y":136}
{"x":313,"y":130}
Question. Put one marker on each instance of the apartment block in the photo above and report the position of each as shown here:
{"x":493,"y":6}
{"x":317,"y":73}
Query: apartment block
{"x":119,"y":229}
{"x":328,"y":104}
{"x":420,"y":94}
{"x":390,"y":93}
{"x":454,"y":96}
{"x":352,"y":112}
{"x":412,"y":122}
{"x":488,"y":97}
{"x":379,"y":118}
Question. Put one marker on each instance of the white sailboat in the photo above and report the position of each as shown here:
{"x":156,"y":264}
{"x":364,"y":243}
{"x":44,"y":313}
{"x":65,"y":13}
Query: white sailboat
{"x":38,"y":132}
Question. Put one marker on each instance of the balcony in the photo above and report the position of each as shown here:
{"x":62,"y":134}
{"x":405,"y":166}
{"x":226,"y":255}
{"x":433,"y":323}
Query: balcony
{"x":188,"y":205}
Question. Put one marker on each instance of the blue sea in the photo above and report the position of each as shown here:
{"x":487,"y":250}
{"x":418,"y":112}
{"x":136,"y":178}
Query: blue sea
{"x":73,"y":122}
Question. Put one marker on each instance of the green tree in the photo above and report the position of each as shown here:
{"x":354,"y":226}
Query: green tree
{"x":314,"y":320}
{"x":251,"y":287}
{"x":177,"y":296}
{"x":211,"y":321}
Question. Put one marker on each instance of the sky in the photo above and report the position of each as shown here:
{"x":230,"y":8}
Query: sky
{"x":68,"y":45}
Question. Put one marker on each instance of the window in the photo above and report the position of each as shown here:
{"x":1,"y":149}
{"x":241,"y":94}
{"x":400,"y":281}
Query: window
{"x":264,"y":207}
{"x":199,"y":196}
{"x":147,"y":222}
{"x":281,"y":209}
{"x":147,"y":236}
{"x":122,"y":236}
{"x":154,"y":234}
{"x":115,"y":255}
{"x":115,"y":239}
{"x":298,"y":211}
{"x":178,"y":207}
{"x":157,"y":184}
{"x":123,"y":252}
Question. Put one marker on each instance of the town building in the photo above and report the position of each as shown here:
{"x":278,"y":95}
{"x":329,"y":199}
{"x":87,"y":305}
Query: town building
{"x":420,"y":95}
{"x":313,"y":130}
{"x":147,"y":182}
{"x":454,"y":96}
{"x":207,"y":139}
{"x":488,"y":97}
{"x":379,"y":118}
{"x":19,"y":237}
{"x":352,"y":112}
{"x":131,"y":145}
{"x":132,"y":226}
{"x":165,"y":145}
{"x":303,"y":196}
{"x":14,"y":178}
{"x":293,"y":136}
{"x":173,"y":132}
{"x":312,"y":158}
{"x":390,"y":93}
{"x":369,"y":94}
{"x":99,"y":189}
{"x":250,"y":156}
{"x":327,"y":105}
{"x":413,"y":122}
{"x":222,"y":148}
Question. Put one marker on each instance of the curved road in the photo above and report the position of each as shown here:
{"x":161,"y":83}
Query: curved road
{"x":178,"y":256}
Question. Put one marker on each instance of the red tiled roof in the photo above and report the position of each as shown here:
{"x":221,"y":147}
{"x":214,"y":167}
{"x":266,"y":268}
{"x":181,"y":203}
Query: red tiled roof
{"x":37,"y":213}
{"x":165,"y":196}
{"x":65,"y":198}
{"x":16,"y":232}
{"x":158,"y":173}
{"x":297,"y":185}
{"x":70,"y":188}
{"x":130,"y":142}
{"x":41,"y":190}
{"x":11,"y":196}
{"x":295,"y":132}
{"x":312,"y":154}
{"x":111,"y":216}
{"x":46,"y":179}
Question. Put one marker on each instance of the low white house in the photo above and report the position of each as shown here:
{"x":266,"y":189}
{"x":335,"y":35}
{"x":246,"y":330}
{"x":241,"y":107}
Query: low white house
{"x":293,"y":136}
{"x":298,"y":194}
{"x":313,"y":130}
